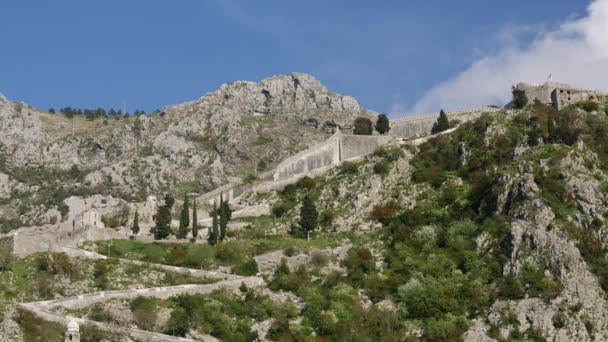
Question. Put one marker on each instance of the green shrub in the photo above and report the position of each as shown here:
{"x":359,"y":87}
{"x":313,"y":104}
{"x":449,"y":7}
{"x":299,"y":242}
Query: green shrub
{"x":389,"y":154}
{"x":117,"y":220}
{"x":248,"y":268}
{"x":589,"y":106}
{"x":98,"y":313}
{"x":100,"y":273}
{"x":382,"y":167}
{"x":289,"y":192}
{"x":290,"y":251}
{"x":179,"y":323}
{"x":511,"y":288}
{"x":382,"y":213}
{"x":349,"y":167}
{"x":230,"y":252}
{"x":359,"y":261}
{"x":306,"y":183}
{"x":445,"y":329}
{"x":559,"y":320}
{"x":318,"y":258}
{"x":37,"y":329}
{"x":279,"y":209}
{"x":327,"y":217}
{"x":145,"y":311}
{"x":363,"y":126}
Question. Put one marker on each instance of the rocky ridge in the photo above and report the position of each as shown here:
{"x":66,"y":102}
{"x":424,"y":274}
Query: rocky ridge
{"x":241,"y":129}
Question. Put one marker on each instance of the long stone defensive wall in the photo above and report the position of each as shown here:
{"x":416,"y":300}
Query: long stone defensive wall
{"x":338,"y":148}
{"x":77,"y":252}
{"x":50,"y":238}
{"x":85,"y":300}
{"x":324,"y":154}
{"x":419,"y":125}
{"x":312,"y":161}
{"x":356,"y":146}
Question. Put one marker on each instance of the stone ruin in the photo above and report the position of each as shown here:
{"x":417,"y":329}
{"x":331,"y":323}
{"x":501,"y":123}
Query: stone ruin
{"x":559,"y":95}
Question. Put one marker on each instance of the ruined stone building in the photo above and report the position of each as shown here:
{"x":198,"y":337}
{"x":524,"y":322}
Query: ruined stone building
{"x":559,"y":95}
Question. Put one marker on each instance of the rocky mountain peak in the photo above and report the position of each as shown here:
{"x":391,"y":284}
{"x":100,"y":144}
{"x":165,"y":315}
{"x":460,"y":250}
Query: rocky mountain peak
{"x":274,"y":95}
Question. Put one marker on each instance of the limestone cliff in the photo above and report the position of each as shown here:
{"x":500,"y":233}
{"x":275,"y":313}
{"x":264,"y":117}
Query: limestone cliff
{"x":240,"y":130}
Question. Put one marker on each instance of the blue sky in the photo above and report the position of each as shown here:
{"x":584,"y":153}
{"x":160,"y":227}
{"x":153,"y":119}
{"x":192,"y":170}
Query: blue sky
{"x":152,"y":53}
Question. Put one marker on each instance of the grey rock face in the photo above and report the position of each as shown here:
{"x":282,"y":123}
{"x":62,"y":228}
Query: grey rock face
{"x":241,"y":129}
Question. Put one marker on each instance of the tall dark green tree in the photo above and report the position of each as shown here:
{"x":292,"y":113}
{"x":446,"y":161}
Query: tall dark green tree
{"x":135,"y":228}
{"x":163,"y":218}
{"x":184,"y":219}
{"x":194,"y":220}
{"x":225,"y":216}
{"x":214,"y":234}
{"x":363,"y":126}
{"x":520,"y":100}
{"x":383,"y":125}
{"x":308,"y":216}
{"x":442,"y":123}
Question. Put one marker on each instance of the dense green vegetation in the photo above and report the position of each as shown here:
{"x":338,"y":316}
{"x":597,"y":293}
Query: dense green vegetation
{"x":383,"y":125}
{"x":442,"y":262}
{"x":43,"y":276}
{"x":92,"y":114}
{"x":221,"y":314}
{"x":442,"y":123}
{"x":229,"y":253}
{"x":363,"y":126}
{"x":520,"y":100}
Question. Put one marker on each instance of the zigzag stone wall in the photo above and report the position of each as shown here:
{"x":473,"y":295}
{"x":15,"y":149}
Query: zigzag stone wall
{"x":338,"y":148}
{"x":85,"y":300}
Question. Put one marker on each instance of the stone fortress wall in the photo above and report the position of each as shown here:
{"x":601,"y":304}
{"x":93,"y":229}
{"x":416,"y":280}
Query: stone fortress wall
{"x":419,"y":125}
{"x":335,"y":150}
{"x":559,"y":95}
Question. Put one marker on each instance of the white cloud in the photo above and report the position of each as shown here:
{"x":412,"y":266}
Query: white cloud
{"x":575,"y":53}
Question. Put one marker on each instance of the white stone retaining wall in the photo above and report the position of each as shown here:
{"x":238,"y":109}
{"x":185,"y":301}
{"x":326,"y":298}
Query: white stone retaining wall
{"x":85,"y":300}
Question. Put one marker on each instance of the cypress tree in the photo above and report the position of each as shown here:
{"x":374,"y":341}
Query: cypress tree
{"x":184,"y":220}
{"x":223,"y":217}
{"x":215,"y":231}
{"x":308,"y":215}
{"x":520,"y":100}
{"x":163,"y":219}
{"x":135,"y":227}
{"x":382,"y":124}
{"x":194,"y":220}
{"x":442,"y":123}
